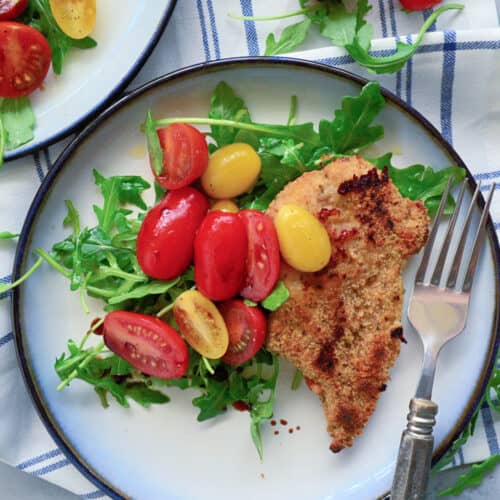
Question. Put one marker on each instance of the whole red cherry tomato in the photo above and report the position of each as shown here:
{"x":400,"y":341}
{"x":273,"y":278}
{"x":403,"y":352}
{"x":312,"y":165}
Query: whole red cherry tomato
{"x":220,"y":252}
{"x":165,"y":240}
{"x":247,"y":327}
{"x":418,"y":4}
{"x":185,"y":155}
{"x":24,"y":59}
{"x":10,"y":9}
{"x":263,"y":261}
{"x":147,"y":343}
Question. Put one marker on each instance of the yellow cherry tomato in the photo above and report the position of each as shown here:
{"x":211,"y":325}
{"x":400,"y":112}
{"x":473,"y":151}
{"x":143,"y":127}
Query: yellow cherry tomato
{"x":225,"y":206}
{"x":232,"y":170}
{"x":201,"y":324}
{"x":75,"y":17}
{"x":304,"y":242}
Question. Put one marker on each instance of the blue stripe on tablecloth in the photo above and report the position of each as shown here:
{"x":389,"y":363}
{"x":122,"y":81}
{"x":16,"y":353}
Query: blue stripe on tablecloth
{"x":383,"y":19}
{"x":213,"y":26}
{"x":38,"y":166}
{"x":50,"y":468}
{"x":409,"y":70}
{"x":251,"y":31}
{"x":5,"y":280}
{"x":92,"y":495}
{"x":48,"y":161}
{"x":489,"y":429}
{"x":204,"y":37}
{"x":487,"y":175}
{"x":496,"y":225}
{"x":392,"y":15}
{"x":449,"y":59}
{"x":426,"y":49}
{"x":461,"y":456}
{"x":6,"y":339}
{"x":39,"y":458}
{"x":427,"y":13}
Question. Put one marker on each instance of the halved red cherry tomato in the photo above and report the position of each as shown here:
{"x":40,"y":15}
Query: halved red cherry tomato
{"x":263,"y":261}
{"x":24,"y":59}
{"x":220,"y":252}
{"x":418,"y":4}
{"x":247,"y":327}
{"x":165,"y":240}
{"x":147,"y":343}
{"x":10,"y":9}
{"x":185,"y":155}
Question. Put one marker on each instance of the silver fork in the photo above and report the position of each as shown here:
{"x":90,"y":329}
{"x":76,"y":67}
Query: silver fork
{"x":438,"y":311}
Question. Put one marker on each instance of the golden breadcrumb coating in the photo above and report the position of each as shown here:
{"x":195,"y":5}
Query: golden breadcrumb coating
{"x":342,"y":326}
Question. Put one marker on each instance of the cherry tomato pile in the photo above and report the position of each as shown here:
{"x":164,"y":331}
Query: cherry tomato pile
{"x":236,"y":255}
{"x":25,"y":53}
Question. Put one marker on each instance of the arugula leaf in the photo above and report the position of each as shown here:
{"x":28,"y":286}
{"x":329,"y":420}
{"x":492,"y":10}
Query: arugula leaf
{"x":109,"y":375}
{"x":154,"y":147}
{"x":39,"y":16}
{"x":297,"y":379}
{"x":393,"y":63}
{"x":277,"y":297}
{"x":419,"y":182}
{"x":226,"y":105}
{"x":6,"y":235}
{"x":350,"y":130}
{"x":342,"y":26}
{"x":291,"y":37}
{"x":473,"y":477}
{"x":18,"y":120}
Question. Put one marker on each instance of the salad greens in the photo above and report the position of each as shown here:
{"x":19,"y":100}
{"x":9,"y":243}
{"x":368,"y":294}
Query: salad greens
{"x":39,"y":16}
{"x":17,"y":122}
{"x":17,"y":119}
{"x":473,"y":477}
{"x":287,"y":151}
{"x":100,"y":261}
{"x":344,"y":27}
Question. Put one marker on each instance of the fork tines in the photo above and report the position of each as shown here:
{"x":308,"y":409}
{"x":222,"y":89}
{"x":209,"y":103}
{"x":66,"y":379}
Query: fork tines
{"x":437,"y":273}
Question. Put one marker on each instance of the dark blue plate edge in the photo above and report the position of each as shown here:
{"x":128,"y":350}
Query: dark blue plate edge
{"x":106,"y":101}
{"x":28,"y":377}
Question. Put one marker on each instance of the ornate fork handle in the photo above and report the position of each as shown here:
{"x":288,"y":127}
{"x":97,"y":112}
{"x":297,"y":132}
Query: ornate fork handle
{"x":415,"y":452}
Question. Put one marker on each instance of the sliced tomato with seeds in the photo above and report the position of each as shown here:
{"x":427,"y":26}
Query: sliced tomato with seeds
{"x":10,"y":9}
{"x":263,"y":261}
{"x":24,"y":59}
{"x":185,"y":155}
{"x":247,"y":328}
{"x":147,"y":343}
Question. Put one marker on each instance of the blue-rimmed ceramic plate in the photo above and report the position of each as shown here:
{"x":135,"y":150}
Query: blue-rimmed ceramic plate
{"x":164,"y":452}
{"x":126,"y":33}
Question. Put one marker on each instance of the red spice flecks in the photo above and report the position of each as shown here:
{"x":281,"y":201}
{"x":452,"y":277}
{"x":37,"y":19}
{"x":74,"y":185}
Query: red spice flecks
{"x":325,"y":213}
{"x":276,"y":433}
{"x":273,"y":422}
{"x":241,"y":406}
{"x":283,"y":422}
{"x":298,"y":427}
{"x":100,"y":329}
{"x":345,"y":234}
{"x":364,"y":182}
{"x":290,"y":430}
{"x":397,"y":333}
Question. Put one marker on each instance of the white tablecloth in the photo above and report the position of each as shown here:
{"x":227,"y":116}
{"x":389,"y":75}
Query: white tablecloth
{"x":453,"y":80}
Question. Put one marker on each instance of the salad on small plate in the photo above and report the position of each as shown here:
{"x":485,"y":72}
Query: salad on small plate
{"x":39,"y":105}
{"x":178,"y":270}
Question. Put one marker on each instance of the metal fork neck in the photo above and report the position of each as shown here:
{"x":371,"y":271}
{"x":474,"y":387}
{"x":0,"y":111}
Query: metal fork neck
{"x":424,"y":388}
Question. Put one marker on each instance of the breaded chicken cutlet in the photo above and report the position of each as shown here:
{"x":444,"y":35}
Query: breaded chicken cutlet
{"x":342,"y":326}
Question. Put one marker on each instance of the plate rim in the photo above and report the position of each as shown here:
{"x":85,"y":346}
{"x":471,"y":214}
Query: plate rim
{"x":78,"y":124}
{"x":20,"y":256}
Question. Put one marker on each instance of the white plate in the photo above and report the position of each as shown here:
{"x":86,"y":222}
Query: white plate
{"x":163,"y":452}
{"x":126,"y":32}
